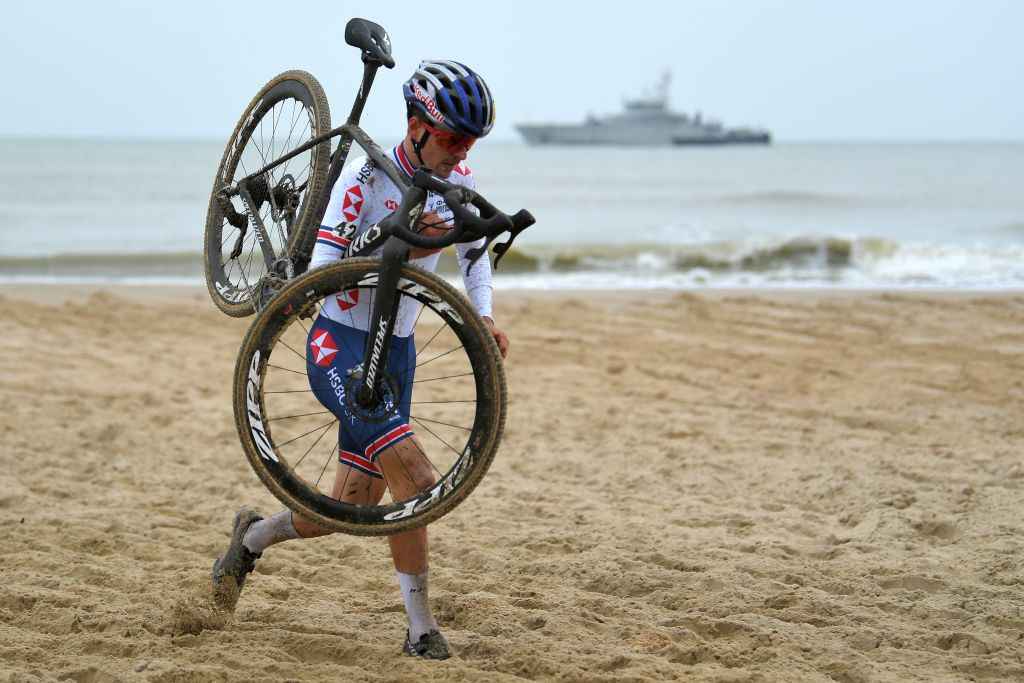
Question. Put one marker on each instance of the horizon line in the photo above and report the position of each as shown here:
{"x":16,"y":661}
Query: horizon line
{"x":104,"y":137}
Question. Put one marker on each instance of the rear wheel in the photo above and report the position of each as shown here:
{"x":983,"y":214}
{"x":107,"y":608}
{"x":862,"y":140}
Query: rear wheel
{"x":246,"y":259}
{"x":291,"y":440}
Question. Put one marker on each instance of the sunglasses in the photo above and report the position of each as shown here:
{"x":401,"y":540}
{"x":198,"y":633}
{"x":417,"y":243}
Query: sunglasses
{"x":451,"y":142}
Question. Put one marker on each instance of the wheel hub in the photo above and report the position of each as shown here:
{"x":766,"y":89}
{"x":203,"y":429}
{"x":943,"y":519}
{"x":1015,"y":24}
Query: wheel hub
{"x":383,"y":402}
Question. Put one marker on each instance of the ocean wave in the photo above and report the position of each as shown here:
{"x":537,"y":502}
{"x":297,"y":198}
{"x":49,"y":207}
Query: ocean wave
{"x":802,"y":260}
{"x":790,"y":198}
{"x":113,"y":266}
{"x":797,"y":252}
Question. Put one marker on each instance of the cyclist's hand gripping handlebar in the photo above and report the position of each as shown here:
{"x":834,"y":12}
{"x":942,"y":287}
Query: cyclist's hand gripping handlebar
{"x":468,"y":227}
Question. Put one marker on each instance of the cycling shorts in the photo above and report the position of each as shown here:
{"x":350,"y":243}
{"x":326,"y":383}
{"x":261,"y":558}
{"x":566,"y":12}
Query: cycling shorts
{"x":332,"y":349}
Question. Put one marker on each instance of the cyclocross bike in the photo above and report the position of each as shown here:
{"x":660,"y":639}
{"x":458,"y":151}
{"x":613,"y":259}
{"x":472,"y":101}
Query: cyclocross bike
{"x":269,"y":197}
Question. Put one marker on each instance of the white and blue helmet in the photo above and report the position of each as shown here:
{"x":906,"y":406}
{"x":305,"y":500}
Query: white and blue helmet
{"x":450,"y":96}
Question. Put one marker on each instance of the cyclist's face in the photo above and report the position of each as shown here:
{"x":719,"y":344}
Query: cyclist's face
{"x":442,"y":152}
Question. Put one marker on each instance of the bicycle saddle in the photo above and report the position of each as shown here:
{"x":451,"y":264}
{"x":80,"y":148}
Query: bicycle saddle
{"x":371,"y":38}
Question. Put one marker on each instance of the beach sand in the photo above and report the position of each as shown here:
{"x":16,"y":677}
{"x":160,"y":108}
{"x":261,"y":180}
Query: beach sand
{"x":692,"y":486}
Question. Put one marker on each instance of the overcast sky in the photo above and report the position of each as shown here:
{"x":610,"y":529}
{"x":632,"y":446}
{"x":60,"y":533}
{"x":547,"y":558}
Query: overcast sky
{"x":808,"y":70}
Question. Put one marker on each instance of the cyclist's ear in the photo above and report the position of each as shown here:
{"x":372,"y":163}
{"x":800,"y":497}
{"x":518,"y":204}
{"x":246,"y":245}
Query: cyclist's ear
{"x":415,"y":128}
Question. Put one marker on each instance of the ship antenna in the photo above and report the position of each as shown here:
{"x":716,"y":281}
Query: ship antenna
{"x":666,"y":76}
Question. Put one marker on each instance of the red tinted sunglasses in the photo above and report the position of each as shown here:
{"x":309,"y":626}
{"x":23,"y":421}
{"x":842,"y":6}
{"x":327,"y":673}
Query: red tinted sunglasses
{"x":456,"y":144}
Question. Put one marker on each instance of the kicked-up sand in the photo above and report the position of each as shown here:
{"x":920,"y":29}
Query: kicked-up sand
{"x":712,"y":486}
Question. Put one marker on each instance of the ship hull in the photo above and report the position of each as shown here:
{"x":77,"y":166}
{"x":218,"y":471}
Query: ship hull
{"x":732,"y":138}
{"x":634,"y":136}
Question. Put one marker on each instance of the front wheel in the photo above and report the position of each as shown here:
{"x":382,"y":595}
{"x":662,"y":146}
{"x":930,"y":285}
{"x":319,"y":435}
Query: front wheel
{"x":244,"y":258}
{"x":453,"y":372}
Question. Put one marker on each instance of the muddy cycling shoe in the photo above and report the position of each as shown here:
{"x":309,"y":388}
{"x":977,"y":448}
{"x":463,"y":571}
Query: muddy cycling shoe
{"x":236,"y":562}
{"x":431,"y":645}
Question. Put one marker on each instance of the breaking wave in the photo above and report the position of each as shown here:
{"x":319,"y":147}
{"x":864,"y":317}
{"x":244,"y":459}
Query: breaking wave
{"x":790,"y":198}
{"x":797,"y":261}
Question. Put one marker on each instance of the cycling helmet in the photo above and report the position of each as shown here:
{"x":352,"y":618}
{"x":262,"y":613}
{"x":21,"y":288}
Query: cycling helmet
{"x":450,"y":96}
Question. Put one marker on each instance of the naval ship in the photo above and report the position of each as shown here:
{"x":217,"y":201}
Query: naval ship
{"x":644,"y":121}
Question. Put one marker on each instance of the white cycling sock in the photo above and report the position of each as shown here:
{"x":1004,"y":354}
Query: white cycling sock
{"x":417,"y":604}
{"x":269,"y":531}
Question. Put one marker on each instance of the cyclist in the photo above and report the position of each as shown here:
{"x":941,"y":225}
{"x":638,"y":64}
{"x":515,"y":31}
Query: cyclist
{"x":448,"y":107}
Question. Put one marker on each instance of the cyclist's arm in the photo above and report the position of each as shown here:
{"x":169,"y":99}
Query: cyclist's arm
{"x":478,"y":279}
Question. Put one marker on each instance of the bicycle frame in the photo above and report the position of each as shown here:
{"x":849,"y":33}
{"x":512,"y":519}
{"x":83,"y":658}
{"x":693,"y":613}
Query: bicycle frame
{"x":396,"y":252}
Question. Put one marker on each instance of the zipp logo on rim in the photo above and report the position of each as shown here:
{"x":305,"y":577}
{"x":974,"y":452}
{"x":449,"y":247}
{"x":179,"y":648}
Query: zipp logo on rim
{"x":256,"y":427}
{"x":421,"y":293}
{"x":230,"y":294}
{"x":440,"y":490}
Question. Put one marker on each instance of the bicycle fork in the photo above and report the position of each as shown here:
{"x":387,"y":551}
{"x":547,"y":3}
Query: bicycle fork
{"x":382,"y":321}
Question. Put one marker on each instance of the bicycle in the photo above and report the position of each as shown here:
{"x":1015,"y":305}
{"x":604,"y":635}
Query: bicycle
{"x":465,"y":383}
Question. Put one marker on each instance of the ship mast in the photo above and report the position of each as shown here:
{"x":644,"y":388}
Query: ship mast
{"x":661,"y":90}
{"x":652,"y":101}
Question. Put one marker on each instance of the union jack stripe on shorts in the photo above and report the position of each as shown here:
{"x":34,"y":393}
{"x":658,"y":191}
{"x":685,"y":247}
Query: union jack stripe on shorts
{"x":389,"y":439}
{"x":360,"y":462}
{"x":326,"y":235}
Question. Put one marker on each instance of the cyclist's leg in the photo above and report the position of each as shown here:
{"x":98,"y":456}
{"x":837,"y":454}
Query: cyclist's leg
{"x":396,"y":451}
{"x":356,"y":481}
{"x":404,"y":463}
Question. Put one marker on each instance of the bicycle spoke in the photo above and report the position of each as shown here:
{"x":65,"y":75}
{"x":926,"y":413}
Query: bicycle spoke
{"x":290,"y":391}
{"x":437,"y":422}
{"x":440,"y":475}
{"x":248,"y":261}
{"x":295,"y":117}
{"x":274,"y":120}
{"x":435,"y":379}
{"x":335,"y":452}
{"x":440,"y":356}
{"x":259,"y":149}
{"x":326,"y":429}
{"x":291,"y":417}
{"x":452,"y":448}
{"x":228,"y":238}
{"x":289,"y":347}
{"x":281,"y":445}
{"x":439,"y":331}
{"x":297,"y":372}
{"x":326,"y":464}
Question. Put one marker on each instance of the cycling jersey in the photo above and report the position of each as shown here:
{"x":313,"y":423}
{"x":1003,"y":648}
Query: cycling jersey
{"x":364,"y":196}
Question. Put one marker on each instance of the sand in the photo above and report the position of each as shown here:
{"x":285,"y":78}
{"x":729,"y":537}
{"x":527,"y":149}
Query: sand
{"x":711,"y":486}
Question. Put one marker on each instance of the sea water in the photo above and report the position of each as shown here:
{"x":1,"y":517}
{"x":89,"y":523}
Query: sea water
{"x":786,"y":215}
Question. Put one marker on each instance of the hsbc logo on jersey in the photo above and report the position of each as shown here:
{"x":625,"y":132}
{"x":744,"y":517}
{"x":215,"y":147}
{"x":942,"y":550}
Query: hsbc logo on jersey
{"x":428,"y":102}
{"x":353,"y":203}
{"x":323,"y":348}
{"x":391,"y":204}
{"x":347,"y":299}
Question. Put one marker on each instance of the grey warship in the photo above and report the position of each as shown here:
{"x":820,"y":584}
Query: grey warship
{"x":644,"y":121}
